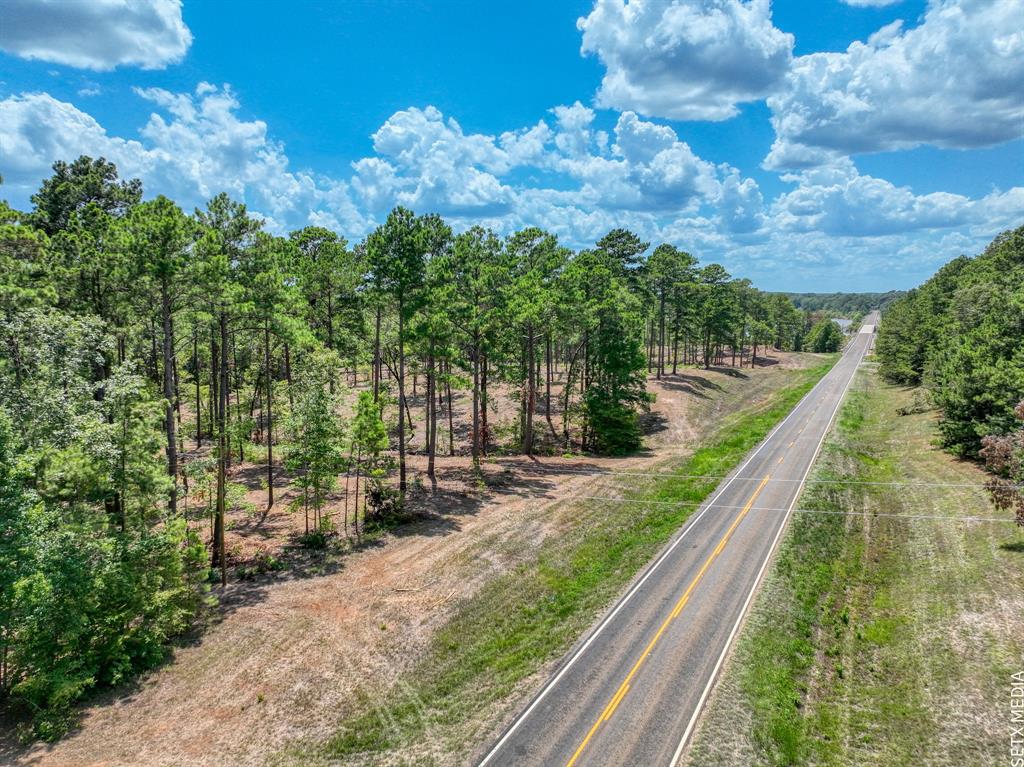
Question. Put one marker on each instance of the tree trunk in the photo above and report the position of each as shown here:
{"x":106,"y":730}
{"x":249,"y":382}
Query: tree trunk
{"x":567,"y":392}
{"x":172,"y":441}
{"x":675,"y":350}
{"x":401,"y":397}
{"x":195,"y":367}
{"x":650,"y":345}
{"x":547,"y":385}
{"x":213,"y":397}
{"x":154,"y":365}
{"x":484,"y":433}
{"x":376,"y":359}
{"x":288,"y":373}
{"x":177,"y":399}
{"x":661,"y":336}
{"x":220,"y":551}
{"x":431,"y":435}
{"x":330,"y":330}
{"x":355,"y":508}
{"x":348,"y":473}
{"x":270,"y":414}
{"x":238,"y":397}
{"x":524,"y":386}
{"x":531,"y":392}
{"x":451,"y":422}
{"x":475,"y":449}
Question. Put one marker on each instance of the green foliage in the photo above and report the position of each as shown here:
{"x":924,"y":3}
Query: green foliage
{"x":385,"y":504}
{"x":369,"y":435}
{"x":317,"y":539}
{"x":73,"y":186}
{"x":395,"y":257}
{"x":618,"y":389}
{"x":91,"y":599}
{"x":826,"y":336}
{"x":95,"y":609}
{"x":316,"y":452}
{"x":1004,"y":456}
{"x":844,"y":304}
{"x":23,"y":251}
{"x":960,"y":333}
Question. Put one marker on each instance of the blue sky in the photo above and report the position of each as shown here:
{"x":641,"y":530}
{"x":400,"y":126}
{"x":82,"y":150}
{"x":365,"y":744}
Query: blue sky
{"x":828,"y":145}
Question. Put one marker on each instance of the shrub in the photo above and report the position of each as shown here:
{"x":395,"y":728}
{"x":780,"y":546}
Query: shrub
{"x":384,"y":504}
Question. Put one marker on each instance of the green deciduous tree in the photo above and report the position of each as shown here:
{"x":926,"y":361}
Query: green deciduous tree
{"x":826,"y":336}
{"x":316,"y":453}
{"x":369,"y":439}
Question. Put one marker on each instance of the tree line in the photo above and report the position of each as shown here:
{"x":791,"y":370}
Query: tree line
{"x":852,"y":305}
{"x":960,"y":335}
{"x":148,"y":353}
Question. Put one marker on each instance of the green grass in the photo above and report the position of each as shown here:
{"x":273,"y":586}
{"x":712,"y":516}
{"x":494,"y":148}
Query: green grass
{"x":877,"y":640}
{"x":531,"y":615}
{"x":809,"y":622}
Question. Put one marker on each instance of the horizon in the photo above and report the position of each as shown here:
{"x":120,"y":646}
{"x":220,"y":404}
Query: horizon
{"x":778,"y":143}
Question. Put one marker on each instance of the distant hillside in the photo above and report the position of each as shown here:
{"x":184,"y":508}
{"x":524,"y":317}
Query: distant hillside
{"x":844,"y":303}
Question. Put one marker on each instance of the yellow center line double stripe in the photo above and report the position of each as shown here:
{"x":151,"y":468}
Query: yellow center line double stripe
{"x":624,"y":687}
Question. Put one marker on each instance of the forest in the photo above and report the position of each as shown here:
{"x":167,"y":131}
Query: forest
{"x":148,"y":352}
{"x":960,"y":335}
{"x":844,"y":304}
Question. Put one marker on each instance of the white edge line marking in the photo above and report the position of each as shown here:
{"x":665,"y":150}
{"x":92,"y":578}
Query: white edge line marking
{"x":622,"y":602}
{"x":760,"y":573}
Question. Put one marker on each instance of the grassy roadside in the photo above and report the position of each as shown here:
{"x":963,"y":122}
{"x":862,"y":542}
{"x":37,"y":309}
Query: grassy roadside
{"x":487,"y":657}
{"x":878,"y":640}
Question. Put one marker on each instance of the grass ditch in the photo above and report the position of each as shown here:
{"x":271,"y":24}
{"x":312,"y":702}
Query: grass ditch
{"x":809,"y":622}
{"x":481,"y":661}
{"x":877,"y":640}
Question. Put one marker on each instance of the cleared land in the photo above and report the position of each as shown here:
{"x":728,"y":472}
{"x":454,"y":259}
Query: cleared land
{"x":297,"y":656}
{"x":879,"y":640}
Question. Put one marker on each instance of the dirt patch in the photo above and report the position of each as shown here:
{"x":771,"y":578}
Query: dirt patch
{"x":289,"y":650}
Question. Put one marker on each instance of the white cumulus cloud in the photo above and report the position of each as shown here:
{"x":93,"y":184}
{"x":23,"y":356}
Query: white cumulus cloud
{"x":96,"y":34}
{"x":37,"y":129}
{"x":954,"y":81}
{"x":686,"y":59}
{"x":425,"y":161}
{"x":562,"y":173}
{"x":837,"y":200}
{"x":194,"y":148}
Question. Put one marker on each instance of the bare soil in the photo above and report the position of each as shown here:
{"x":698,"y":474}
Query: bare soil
{"x":285,"y":651}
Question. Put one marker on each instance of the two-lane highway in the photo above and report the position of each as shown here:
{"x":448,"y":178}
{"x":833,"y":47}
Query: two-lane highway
{"x":631,"y":691}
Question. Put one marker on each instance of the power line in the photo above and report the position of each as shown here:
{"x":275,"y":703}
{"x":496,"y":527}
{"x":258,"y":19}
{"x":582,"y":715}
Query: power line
{"x":803,"y":511}
{"x":670,"y":475}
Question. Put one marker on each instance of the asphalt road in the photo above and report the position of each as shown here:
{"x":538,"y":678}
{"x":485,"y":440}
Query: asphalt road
{"x":630,"y":692}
